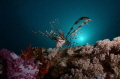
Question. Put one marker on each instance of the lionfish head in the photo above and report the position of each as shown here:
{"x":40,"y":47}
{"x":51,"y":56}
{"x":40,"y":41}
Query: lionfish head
{"x":67,"y":43}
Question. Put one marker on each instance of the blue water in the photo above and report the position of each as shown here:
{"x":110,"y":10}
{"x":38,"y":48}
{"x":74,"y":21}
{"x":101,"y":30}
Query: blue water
{"x":18,"y":18}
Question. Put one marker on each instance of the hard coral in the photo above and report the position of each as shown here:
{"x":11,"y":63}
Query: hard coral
{"x":52,"y":52}
{"x":99,"y":61}
{"x":37,"y":51}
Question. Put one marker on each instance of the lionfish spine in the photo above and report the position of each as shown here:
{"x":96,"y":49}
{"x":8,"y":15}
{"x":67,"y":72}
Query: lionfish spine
{"x":44,"y":34}
{"x":75,"y":43}
{"x":75,"y":37}
{"x":54,"y":29}
{"x":47,"y":32}
{"x":57,"y":22}
{"x":85,"y":22}
{"x":74,"y":34}
{"x":75,"y":24}
{"x":35,"y":32}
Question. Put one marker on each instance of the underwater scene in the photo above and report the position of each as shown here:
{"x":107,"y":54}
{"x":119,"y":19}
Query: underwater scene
{"x":60,"y":39}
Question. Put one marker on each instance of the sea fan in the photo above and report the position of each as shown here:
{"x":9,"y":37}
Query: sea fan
{"x":57,"y":34}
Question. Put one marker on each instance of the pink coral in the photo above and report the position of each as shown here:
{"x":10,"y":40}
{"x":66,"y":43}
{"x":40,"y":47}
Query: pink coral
{"x":15,"y":67}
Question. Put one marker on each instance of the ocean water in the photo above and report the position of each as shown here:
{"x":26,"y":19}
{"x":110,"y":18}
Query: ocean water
{"x":18,"y":18}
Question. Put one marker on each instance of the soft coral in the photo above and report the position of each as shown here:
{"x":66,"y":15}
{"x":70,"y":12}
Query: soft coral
{"x":44,"y":67}
{"x":27,"y":55}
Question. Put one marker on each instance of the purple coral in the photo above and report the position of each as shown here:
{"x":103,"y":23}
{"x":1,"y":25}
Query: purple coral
{"x":16,"y":67}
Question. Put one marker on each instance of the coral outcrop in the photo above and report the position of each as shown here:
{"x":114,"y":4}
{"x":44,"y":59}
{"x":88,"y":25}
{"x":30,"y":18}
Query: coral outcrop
{"x":99,"y":61}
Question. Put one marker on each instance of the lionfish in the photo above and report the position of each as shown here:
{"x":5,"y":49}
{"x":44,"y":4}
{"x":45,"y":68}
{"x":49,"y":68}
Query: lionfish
{"x":58,"y":36}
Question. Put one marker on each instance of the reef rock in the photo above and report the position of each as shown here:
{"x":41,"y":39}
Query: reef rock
{"x":99,"y":61}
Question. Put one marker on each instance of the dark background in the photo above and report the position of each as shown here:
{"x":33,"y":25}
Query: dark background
{"x":19,"y":17}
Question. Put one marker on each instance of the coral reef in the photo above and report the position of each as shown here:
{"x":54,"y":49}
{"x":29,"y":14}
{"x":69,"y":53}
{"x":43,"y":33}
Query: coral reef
{"x":40,"y":61}
{"x":99,"y":61}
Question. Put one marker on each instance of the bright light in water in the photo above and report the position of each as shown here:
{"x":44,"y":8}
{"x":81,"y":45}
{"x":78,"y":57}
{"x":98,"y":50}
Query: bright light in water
{"x":81,"y":38}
